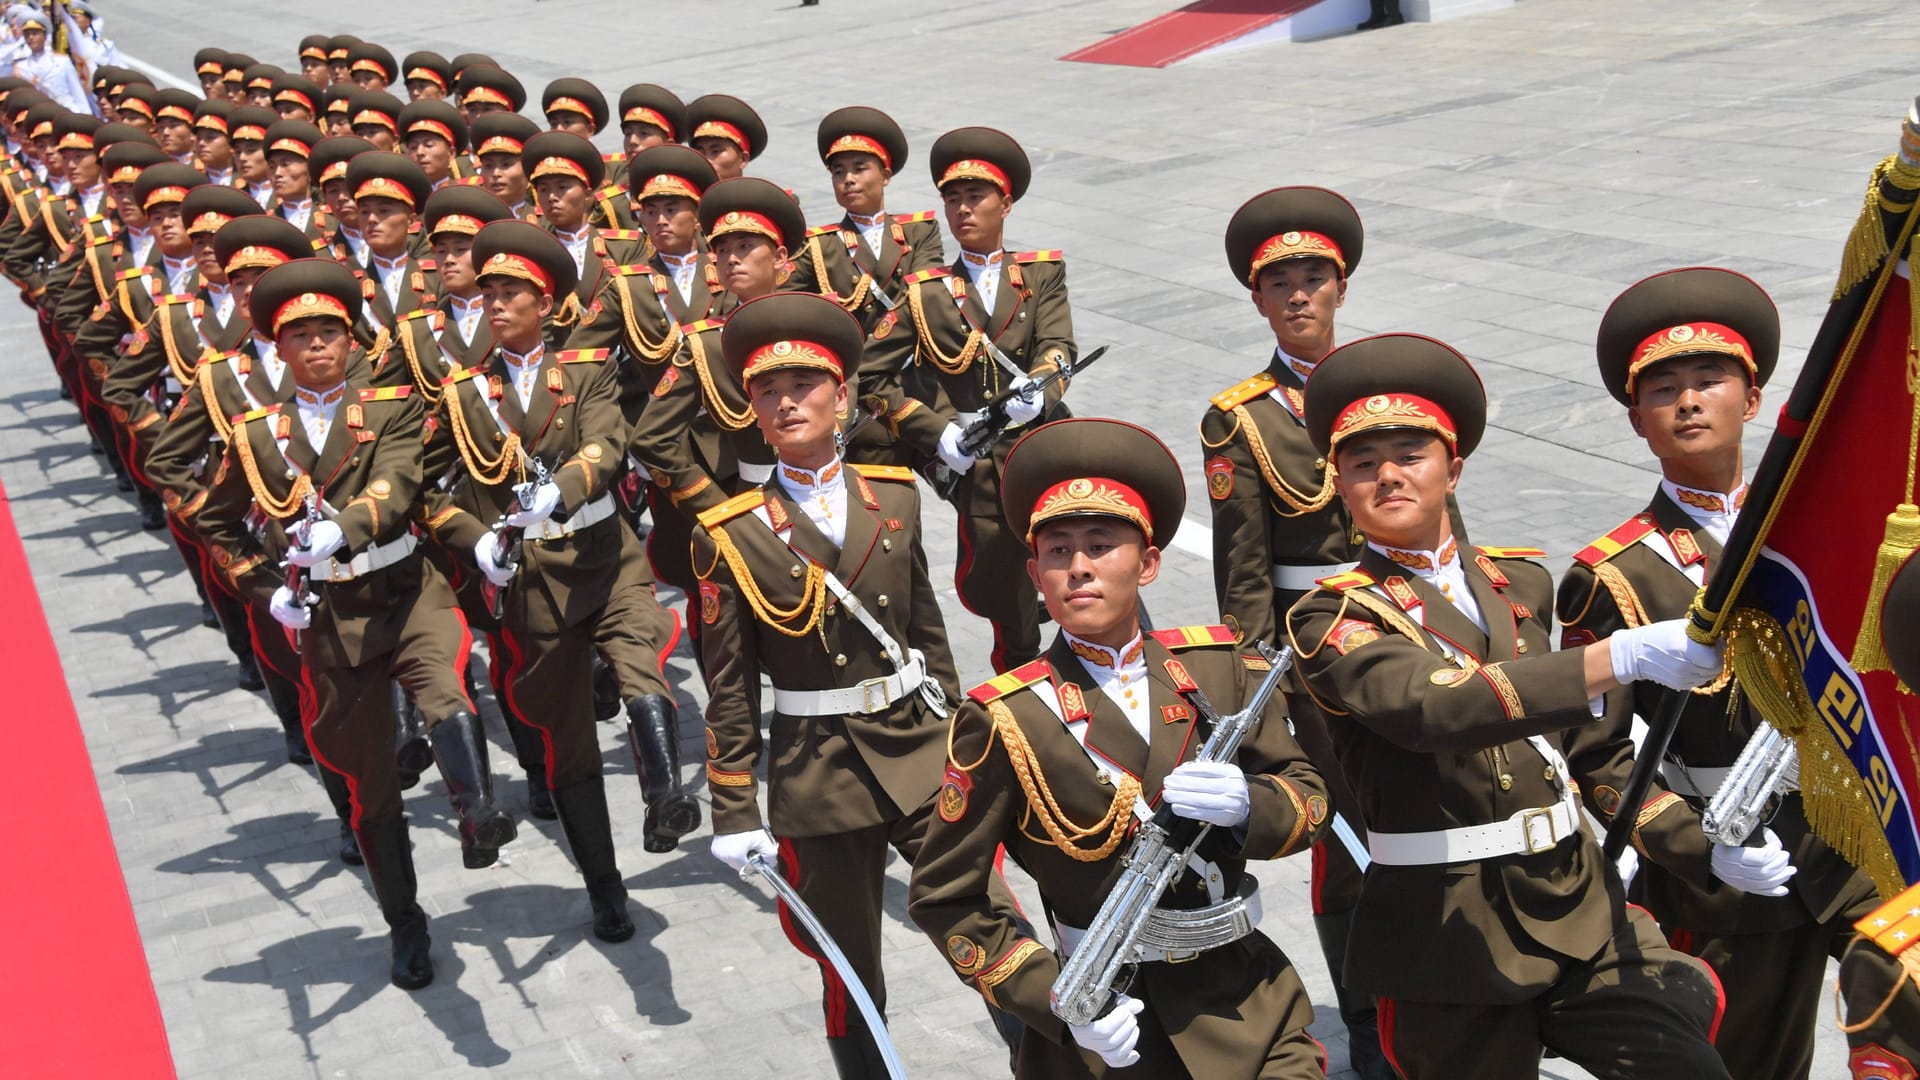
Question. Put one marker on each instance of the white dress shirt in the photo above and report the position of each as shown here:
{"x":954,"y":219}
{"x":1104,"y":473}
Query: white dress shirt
{"x":356,"y":243}
{"x":392,"y":274}
{"x":466,"y":315}
{"x":90,"y":200}
{"x":219,"y":177}
{"x":682,"y":268}
{"x":270,"y":361}
{"x":297,"y":214}
{"x":1714,"y":511}
{"x":821,"y":495}
{"x":1122,"y":676}
{"x":984,"y":272}
{"x":316,"y":409}
{"x":262,"y":193}
{"x":1441,"y":569}
{"x":872,"y":230}
{"x":525,"y":370}
{"x":178,"y":271}
{"x":140,"y":245}
{"x":222,"y":302}
{"x":576,"y":246}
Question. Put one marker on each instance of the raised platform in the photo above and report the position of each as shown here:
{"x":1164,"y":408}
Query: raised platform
{"x":1211,"y":27}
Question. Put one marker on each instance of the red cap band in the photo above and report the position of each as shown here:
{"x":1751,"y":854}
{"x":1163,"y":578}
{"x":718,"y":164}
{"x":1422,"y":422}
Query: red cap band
{"x":640,"y":114}
{"x":863,"y":145}
{"x":1090,"y":495}
{"x":1393,"y":410}
{"x":791,"y":354}
{"x":1293,"y":244}
{"x":976,"y":169}
{"x":720,"y":129}
{"x":1687,"y":339}
{"x":519,"y":266}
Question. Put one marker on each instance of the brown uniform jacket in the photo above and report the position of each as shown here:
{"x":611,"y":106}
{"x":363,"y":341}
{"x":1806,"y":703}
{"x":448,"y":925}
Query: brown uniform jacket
{"x":1429,"y":717}
{"x":699,"y":427}
{"x":573,"y":426}
{"x":1622,"y":580}
{"x":427,"y":344}
{"x":762,"y":610}
{"x":1015,"y":769}
{"x":836,"y":263}
{"x":89,"y":278}
{"x":641,"y":313}
{"x":368,"y":471}
{"x":183,"y":330}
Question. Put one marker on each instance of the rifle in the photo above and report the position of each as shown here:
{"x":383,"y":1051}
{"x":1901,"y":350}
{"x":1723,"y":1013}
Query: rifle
{"x":1102,"y":964}
{"x":510,"y":538}
{"x":980,"y":435}
{"x":299,"y":580}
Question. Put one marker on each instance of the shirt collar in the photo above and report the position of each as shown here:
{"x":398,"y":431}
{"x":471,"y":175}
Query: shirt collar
{"x":386,"y":265}
{"x":678,"y":262}
{"x":465,"y":304}
{"x":1099,"y":656}
{"x":869,"y":221}
{"x":1301,"y":368}
{"x":799,"y":481}
{"x":1426,"y":563}
{"x":578,"y":236}
{"x":320,"y":398}
{"x":526,"y":359}
{"x":1705,"y":503}
{"x":978,"y":263}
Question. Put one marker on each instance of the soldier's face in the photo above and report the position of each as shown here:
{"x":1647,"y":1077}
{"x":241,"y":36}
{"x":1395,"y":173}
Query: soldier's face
{"x":384,"y":222}
{"x":454,"y":252}
{"x":315,"y":350}
{"x":213,"y":148}
{"x":82,"y":168}
{"x":134,"y":118}
{"x":174,"y":135}
{"x":1395,"y":484}
{"x":859,"y":182}
{"x":1090,"y":571}
{"x":210,"y":267}
{"x":213,"y":87}
{"x":337,"y":70}
{"x":369,"y":80}
{"x":482,"y":108}
{"x":671,"y":221}
{"x":241,"y":282}
{"x":250,"y":157}
{"x":636,"y":137}
{"x":424,"y":90}
{"x":432,"y":153}
{"x":1298,"y":297}
{"x":380,"y":135}
{"x":261,"y":96}
{"x":128,"y":207}
{"x":290,"y":178}
{"x":317,"y":71}
{"x":976,"y":213}
{"x":35,"y":39}
{"x":798,"y":410}
{"x":563,"y":199}
{"x":1693,"y":407}
{"x":169,"y":231}
{"x":748,"y":264}
{"x":335,"y":194}
{"x":43,"y":149}
{"x":572,"y":122}
{"x":505,"y":177}
{"x":515,"y":309}
{"x":723,"y":154}
{"x":293,"y":110}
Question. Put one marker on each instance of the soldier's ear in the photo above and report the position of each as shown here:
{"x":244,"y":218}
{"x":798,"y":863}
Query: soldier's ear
{"x":1340,"y":293}
{"x":1149,"y":565}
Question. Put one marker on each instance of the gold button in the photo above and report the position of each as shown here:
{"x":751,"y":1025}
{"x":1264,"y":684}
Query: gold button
{"x":1104,"y":777}
{"x":1550,"y":773}
{"x":497,"y":436}
{"x":1523,"y":646}
{"x":796,"y":571}
{"x":1319,"y":463}
{"x":886,"y":545}
{"x":560,"y":421}
{"x":882,"y":601}
{"x":839,"y":659}
{"x":1506,"y":782}
{"x":830,"y":609}
{"x":291,"y":475}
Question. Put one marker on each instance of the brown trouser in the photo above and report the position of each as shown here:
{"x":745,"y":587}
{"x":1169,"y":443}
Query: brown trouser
{"x":991,"y":574}
{"x":1638,"y":1010}
{"x":350,"y":726}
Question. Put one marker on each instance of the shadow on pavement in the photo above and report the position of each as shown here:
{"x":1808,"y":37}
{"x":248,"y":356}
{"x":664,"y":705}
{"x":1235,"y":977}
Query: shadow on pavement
{"x":255,"y":846}
{"x":148,"y":626}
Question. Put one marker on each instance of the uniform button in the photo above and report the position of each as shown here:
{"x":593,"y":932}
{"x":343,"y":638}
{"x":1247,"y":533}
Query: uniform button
{"x":1550,"y":773}
{"x":560,"y":421}
{"x":497,"y":436}
{"x":1506,"y":782}
{"x":886,"y":545}
{"x":1319,"y":463}
{"x":839,"y":659}
{"x":1523,"y":646}
{"x":882,"y":601}
{"x":796,"y":571}
{"x":830,"y":609}
{"x":1104,"y":777}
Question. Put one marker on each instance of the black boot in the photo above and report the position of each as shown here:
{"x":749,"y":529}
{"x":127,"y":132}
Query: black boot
{"x":343,"y":809}
{"x":460,"y":749}
{"x":583,"y":817}
{"x":412,"y":753}
{"x":855,"y":1055}
{"x":250,"y":674}
{"x":389,"y":857}
{"x":208,"y":617}
{"x":1356,"y":1009}
{"x":286,"y":706}
{"x":1385,"y":13}
{"x":153,"y":516}
{"x":531,"y":751}
{"x":606,"y":691}
{"x":350,"y":846}
{"x":654,"y":727}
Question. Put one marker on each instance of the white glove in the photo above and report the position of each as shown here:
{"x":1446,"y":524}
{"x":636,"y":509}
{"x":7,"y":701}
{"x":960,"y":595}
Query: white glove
{"x":734,"y":848}
{"x":325,"y":539}
{"x":1628,"y":867}
{"x":1663,"y":653}
{"x":486,"y":552}
{"x":1762,"y":871}
{"x":1024,"y":412}
{"x":1211,"y":791}
{"x":957,"y":459}
{"x":1113,"y":1036}
{"x":546,"y":499}
{"x":287,"y":611}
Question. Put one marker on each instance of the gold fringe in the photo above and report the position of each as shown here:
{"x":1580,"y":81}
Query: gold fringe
{"x":1867,"y":245}
{"x":1902,"y":538}
{"x":647,"y":350}
{"x":1836,"y":801}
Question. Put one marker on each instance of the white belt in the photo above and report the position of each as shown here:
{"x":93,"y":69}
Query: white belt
{"x":1527,"y":832}
{"x":1698,"y":781}
{"x":968,"y":419}
{"x":593,"y":513}
{"x":1303,"y":578}
{"x":1175,"y":935}
{"x":870,"y":696}
{"x":755,"y":474}
{"x":377,"y":557}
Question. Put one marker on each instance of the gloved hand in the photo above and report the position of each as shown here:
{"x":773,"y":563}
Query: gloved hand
{"x":1762,"y":871}
{"x":486,"y":552}
{"x":1211,"y":791}
{"x":734,"y":848}
{"x":325,"y":539}
{"x":1663,"y":653}
{"x":287,"y":611}
{"x":1113,"y":1036}
{"x":546,"y":499}
{"x":957,"y":459}
{"x":1025,"y":412}
{"x":1628,"y":866}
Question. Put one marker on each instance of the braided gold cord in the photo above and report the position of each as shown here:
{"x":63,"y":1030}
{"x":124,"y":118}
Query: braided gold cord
{"x":484,"y":471}
{"x":955,"y":364}
{"x":1065,"y":834}
{"x":430,"y":389}
{"x":727,"y":418}
{"x":852,"y":301}
{"x":1293,"y":497}
{"x":650,"y":351}
{"x":184,"y":375}
{"x":813,"y":589}
{"x":262,"y":495}
{"x":221,"y":422}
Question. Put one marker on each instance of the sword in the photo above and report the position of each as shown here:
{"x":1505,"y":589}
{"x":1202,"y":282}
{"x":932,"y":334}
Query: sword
{"x":758,"y":864}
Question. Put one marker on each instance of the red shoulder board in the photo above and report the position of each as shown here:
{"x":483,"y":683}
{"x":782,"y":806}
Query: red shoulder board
{"x":1629,"y":533}
{"x":582,"y":356}
{"x":631,"y":269}
{"x":703,"y":325}
{"x":366,"y":285}
{"x":1493,"y":573}
{"x":621,"y":234}
{"x":1187,"y":637}
{"x":908,"y":219}
{"x":823,"y":230}
{"x":1352,"y":579}
{"x":1053,"y":255}
{"x":929,"y":274}
{"x":385,"y":393}
{"x":1007,"y":682}
{"x":429,"y":264}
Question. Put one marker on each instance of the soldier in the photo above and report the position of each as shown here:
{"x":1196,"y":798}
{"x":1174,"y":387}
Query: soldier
{"x":381,"y":612}
{"x":1432,"y":663}
{"x":818,"y":580}
{"x":428,"y":76}
{"x":454,"y":331}
{"x":327,"y":168}
{"x":212,"y":149}
{"x":135,"y":104}
{"x":987,"y":326}
{"x":498,"y":138}
{"x":577,"y":107}
{"x":388,"y":190}
{"x":247,"y":133}
{"x":1100,"y":500}
{"x":173,"y":124}
{"x":565,"y":171}
{"x":371,"y":67}
{"x":374,"y":115}
{"x":487,"y":88}
{"x":335,"y":100}
{"x":434,"y":135}
{"x":313,"y":60}
{"x":210,"y":66}
{"x":696,"y":437}
{"x":649,"y":115}
{"x":296,"y":97}
{"x":290,"y":146}
{"x":727,"y":131}
{"x":1277,"y":527}
{"x":1687,"y":352}
{"x":338,"y":46}
{"x":578,"y":583}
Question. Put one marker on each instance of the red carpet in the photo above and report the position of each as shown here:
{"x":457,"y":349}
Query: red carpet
{"x":1179,"y":34}
{"x":77,"y":1000}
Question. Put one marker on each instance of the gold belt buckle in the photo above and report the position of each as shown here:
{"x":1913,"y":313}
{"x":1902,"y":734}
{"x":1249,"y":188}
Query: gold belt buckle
{"x":873,"y":695}
{"x":1526,"y":829}
{"x":1177,"y":958}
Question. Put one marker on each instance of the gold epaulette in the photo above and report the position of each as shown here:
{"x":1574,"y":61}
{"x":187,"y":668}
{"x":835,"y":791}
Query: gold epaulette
{"x":1510,"y":552}
{"x":1008,"y":681}
{"x":260,"y":413}
{"x":1352,"y":579}
{"x":622,"y":234}
{"x":419,"y":313}
{"x":1629,"y":533}
{"x":908,"y":219}
{"x":887,"y":472}
{"x":1244,"y":391}
{"x":822,"y":230}
{"x":385,"y":393}
{"x":1050,"y":255}
{"x":582,"y":356}
{"x":630,"y":269}
{"x":1893,"y":925}
{"x":743,"y":503}
{"x":209,"y":358}
{"x":131,"y":275}
{"x":460,"y":374}
{"x":929,"y":274}
{"x":1187,"y":637}
{"x":703,"y":325}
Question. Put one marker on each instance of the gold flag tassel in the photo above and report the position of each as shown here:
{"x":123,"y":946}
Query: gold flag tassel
{"x":1838,"y":806}
{"x":1902,"y":536}
{"x":1867,"y":245}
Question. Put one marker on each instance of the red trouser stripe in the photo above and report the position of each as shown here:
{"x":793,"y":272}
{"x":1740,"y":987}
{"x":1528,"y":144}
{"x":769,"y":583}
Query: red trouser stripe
{"x":1384,"y":1011}
{"x":516,"y":661}
{"x":308,"y":714}
{"x":835,"y":997}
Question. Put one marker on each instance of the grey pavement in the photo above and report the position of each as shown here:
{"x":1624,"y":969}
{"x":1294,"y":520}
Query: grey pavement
{"x":1515,"y":171}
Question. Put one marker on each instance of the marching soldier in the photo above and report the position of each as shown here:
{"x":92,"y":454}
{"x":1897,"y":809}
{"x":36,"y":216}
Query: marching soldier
{"x":1687,"y":352}
{"x":1277,"y":527}
{"x":327,"y":168}
{"x":295,"y":97}
{"x":696,"y":437}
{"x":173,"y":124}
{"x":987,"y":326}
{"x":371,"y":67}
{"x":434,"y":135}
{"x":498,"y":139}
{"x":1049,"y":761}
{"x":454,"y":331}
{"x":565,"y":171}
{"x":578,"y":583}
{"x":374,"y":115}
{"x":428,"y":75}
{"x":290,"y":146}
{"x":212,"y":149}
{"x":487,"y":88}
{"x":649,"y":115}
{"x":348,"y":454}
{"x":313,"y":60}
{"x":210,"y":66}
{"x":727,"y":131}
{"x":1446,"y":707}
{"x":338,"y":47}
{"x":247,"y":133}
{"x":388,"y":191}
{"x":818,"y":580}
